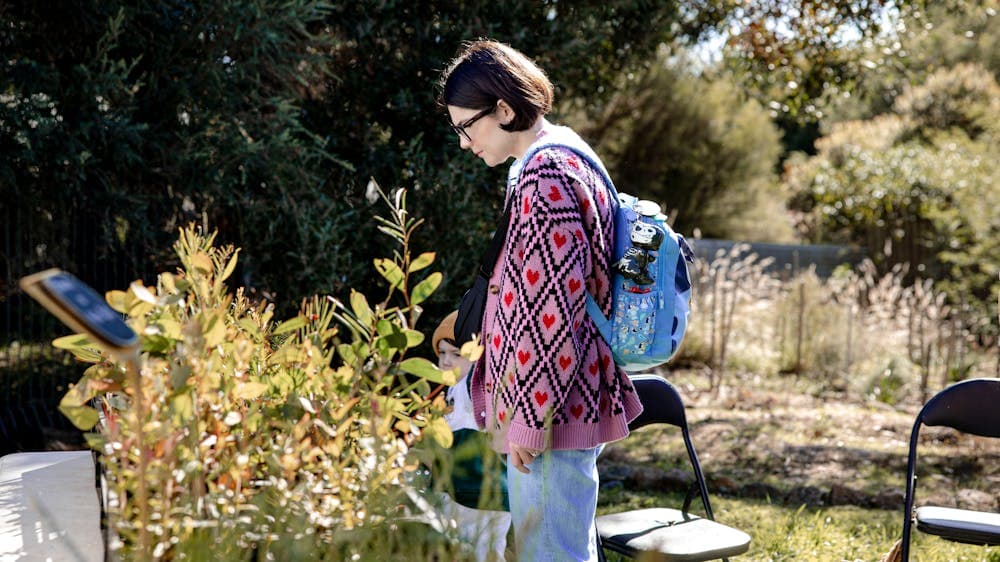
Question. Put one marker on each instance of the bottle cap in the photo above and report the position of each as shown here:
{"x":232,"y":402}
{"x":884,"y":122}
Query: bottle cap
{"x":647,"y":208}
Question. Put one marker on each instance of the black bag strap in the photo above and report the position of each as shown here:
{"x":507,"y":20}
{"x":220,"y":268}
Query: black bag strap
{"x":491,"y":255}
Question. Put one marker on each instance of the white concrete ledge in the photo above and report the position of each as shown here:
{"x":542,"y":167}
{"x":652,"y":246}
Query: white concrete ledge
{"x":49,"y":507}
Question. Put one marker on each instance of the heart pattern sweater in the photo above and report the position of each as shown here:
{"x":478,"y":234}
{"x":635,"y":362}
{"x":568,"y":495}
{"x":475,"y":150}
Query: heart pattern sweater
{"x":546,"y":379}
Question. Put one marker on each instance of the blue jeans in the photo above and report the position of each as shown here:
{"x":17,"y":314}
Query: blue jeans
{"x":553,"y":508}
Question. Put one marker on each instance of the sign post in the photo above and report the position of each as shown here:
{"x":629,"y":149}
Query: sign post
{"x":80,"y":307}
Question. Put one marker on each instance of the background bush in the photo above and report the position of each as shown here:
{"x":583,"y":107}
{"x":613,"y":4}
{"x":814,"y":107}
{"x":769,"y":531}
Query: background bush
{"x":699,"y":147}
{"x":916,"y":186}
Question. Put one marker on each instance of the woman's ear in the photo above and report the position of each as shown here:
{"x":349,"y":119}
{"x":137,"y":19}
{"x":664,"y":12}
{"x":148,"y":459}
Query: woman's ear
{"x":506,"y":112}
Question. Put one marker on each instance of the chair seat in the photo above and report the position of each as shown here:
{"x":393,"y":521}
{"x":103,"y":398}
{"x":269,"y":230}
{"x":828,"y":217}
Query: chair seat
{"x":960,"y":525}
{"x":678,"y":536}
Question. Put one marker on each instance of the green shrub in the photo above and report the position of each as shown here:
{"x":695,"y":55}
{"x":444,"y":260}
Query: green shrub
{"x":815,"y":338}
{"x":917,"y":186}
{"x":232,"y":431}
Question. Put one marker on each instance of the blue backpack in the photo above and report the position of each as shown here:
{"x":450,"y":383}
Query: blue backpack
{"x":651,"y":287}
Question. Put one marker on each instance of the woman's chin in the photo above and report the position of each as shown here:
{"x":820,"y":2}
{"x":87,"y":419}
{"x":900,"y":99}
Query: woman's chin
{"x":492,"y":162}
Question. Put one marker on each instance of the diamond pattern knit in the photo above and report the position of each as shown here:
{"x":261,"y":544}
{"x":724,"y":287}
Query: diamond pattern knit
{"x":546,"y":378}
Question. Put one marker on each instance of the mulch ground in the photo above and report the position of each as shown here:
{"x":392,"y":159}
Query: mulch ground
{"x":764,"y":440}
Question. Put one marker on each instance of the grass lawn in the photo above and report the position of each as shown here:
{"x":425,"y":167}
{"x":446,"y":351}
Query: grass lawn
{"x":809,"y":475}
{"x":783,"y":533}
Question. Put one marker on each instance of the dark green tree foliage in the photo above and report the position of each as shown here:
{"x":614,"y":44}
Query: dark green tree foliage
{"x":802,"y":50}
{"x":700,"y":148}
{"x":797,"y":55}
{"x":268,"y":121}
{"x":151,"y":115}
{"x":944,"y":33}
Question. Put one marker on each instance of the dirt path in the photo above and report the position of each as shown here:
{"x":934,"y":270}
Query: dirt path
{"x":773,"y":439}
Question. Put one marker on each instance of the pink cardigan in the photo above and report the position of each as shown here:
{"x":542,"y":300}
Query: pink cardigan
{"x":546,"y":379}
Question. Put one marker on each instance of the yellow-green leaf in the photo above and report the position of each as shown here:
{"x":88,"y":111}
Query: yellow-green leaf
{"x":289,"y":354}
{"x":249,"y":390}
{"x":391,"y":334}
{"x":403,"y":425}
{"x":250,"y":327}
{"x":77,"y":395}
{"x":385,"y":328}
{"x":95,"y":441}
{"x":290,"y":325}
{"x":214,"y":331}
{"x":359,"y":304}
{"x":422,"y":261}
{"x":230,"y":267}
{"x":392,"y":273}
{"x":413,"y":338}
{"x":425,"y":288}
{"x":164,"y":326}
{"x":83,"y":417}
{"x":347,"y":353}
{"x":167,"y":280}
{"x":440,"y":432}
{"x":472,"y":350}
{"x":392,"y":231}
{"x":117,"y":301}
{"x":182,"y":407}
{"x":80,"y":346}
{"x":75,"y":341}
{"x":201,"y":261}
{"x":425,"y":369}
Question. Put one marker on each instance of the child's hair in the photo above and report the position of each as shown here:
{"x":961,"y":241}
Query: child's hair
{"x":485,"y":72}
{"x":445,"y":331}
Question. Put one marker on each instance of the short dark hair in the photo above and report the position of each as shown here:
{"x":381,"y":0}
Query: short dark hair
{"x":485,"y":72}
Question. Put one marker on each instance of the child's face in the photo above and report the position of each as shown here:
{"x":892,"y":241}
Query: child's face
{"x":450,"y":358}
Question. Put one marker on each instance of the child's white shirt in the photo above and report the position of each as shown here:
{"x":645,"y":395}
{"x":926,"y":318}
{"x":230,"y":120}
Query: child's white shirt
{"x":461,"y":416}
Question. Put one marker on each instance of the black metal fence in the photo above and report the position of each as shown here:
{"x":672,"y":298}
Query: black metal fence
{"x":34,"y":375}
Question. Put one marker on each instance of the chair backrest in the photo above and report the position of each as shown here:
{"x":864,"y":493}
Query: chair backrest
{"x":660,"y":402}
{"x":971,"y":406}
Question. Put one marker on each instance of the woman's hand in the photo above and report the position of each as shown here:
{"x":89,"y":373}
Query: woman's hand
{"x":521,"y":457}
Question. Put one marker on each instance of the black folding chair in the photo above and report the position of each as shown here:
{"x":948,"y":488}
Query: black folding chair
{"x":678,"y":535}
{"x":971,"y":406}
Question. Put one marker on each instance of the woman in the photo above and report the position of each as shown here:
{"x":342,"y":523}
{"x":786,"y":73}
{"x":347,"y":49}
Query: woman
{"x":546,"y":387}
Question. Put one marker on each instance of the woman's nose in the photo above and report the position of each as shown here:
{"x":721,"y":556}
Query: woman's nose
{"x":464,"y":143}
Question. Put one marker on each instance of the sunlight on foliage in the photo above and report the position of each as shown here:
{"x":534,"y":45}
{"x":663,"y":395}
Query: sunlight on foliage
{"x":281,"y":436}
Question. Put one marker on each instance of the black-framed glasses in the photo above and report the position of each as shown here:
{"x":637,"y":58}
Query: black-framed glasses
{"x":460,"y":128}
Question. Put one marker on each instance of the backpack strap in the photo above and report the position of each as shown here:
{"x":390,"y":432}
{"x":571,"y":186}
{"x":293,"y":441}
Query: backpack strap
{"x":601,"y":321}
